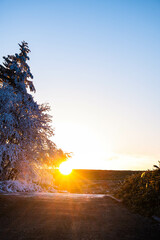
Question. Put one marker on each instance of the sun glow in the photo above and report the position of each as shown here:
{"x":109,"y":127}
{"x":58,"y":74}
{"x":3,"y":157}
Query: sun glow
{"x":65,"y":168}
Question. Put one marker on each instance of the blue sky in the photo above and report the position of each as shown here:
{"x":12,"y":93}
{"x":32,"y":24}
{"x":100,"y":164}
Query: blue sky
{"x":97,"y":64}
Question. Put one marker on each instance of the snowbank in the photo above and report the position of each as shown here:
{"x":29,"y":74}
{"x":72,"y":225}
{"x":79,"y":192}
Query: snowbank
{"x":22,"y":186}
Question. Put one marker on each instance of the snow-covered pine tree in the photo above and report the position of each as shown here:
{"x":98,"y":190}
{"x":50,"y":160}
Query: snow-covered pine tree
{"x":25,"y":128}
{"x":16,"y":71}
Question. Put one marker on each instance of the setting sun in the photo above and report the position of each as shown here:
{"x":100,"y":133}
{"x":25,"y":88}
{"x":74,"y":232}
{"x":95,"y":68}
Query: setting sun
{"x":65,"y":168}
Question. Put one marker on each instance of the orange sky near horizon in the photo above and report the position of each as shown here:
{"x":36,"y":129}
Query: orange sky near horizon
{"x":91,"y":151}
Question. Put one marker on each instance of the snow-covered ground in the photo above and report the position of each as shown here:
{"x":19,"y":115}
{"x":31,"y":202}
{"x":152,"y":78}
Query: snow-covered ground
{"x":29,"y":189}
{"x":47,"y":195}
{"x":22,"y":186}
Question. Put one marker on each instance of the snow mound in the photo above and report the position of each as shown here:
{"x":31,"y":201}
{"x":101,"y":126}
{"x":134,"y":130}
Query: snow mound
{"x":22,"y":186}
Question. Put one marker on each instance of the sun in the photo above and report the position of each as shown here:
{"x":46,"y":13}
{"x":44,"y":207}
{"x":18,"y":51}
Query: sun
{"x":65,"y":168}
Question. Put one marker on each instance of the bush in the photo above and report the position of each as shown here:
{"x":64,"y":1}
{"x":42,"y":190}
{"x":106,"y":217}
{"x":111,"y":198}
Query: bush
{"x":141,"y":192}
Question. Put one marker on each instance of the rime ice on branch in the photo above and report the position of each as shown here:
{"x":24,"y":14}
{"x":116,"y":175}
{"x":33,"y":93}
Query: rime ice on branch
{"x":25,"y":128}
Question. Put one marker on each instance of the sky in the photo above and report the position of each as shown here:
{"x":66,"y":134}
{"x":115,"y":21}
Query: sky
{"x":97,"y":63}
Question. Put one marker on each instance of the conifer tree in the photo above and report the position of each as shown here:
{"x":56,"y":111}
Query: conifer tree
{"x":25,"y":128}
{"x":15,"y":70}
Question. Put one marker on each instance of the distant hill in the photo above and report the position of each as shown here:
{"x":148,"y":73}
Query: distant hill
{"x":96,"y":174}
{"x":90,"y":181}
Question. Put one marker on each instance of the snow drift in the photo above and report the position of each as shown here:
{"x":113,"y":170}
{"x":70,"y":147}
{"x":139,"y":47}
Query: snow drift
{"x":11,"y":186}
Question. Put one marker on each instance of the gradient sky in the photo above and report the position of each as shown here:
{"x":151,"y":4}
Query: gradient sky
{"x":97,"y":63}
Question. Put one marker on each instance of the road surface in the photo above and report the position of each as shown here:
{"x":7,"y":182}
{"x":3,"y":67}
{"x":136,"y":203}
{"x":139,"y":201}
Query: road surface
{"x":71,"y":217}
